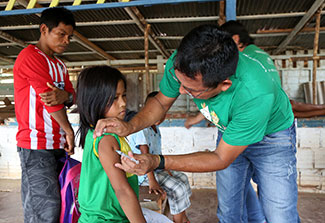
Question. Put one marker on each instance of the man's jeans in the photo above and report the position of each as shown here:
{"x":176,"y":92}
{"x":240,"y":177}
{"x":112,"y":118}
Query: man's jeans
{"x":40,"y":190}
{"x":273,"y":163}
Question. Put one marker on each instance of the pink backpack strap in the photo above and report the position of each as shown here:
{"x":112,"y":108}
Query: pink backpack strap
{"x":72,"y":173}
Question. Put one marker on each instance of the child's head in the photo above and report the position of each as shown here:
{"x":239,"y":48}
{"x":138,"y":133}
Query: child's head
{"x":150,"y":96}
{"x":101,"y":93}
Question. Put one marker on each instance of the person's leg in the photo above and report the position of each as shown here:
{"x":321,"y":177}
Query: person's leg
{"x":39,"y":186}
{"x":255,"y":212}
{"x":178,"y":192}
{"x":232,"y":184}
{"x":304,"y":107}
{"x":303,"y":110}
{"x":274,"y":164}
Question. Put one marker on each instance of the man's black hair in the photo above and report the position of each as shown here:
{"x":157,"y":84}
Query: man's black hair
{"x":236,"y":28}
{"x":52,"y":17}
{"x":208,"y":51}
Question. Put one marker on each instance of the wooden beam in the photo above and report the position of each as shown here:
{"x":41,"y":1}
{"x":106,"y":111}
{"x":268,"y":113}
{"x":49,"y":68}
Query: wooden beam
{"x":316,"y":40}
{"x":78,"y":37}
{"x":12,"y":39}
{"x":146,"y":58}
{"x":139,"y":19}
{"x":222,"y":17}
{"x":307,"y":29}
{"x":86,"y":43}
{"x":6,"y":59}
{"x":317,"y":4}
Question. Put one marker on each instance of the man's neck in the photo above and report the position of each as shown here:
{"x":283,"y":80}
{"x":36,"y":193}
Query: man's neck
{"x":44,"y":49}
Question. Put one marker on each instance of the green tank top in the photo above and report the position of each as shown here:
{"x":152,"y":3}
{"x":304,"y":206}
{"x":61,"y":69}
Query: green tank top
{"x":97,"y":199}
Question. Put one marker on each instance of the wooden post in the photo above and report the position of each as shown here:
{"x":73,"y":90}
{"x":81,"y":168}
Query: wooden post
{"x":315,"y":58}
{"x":146,"y":59}
{"x":222,"y":17}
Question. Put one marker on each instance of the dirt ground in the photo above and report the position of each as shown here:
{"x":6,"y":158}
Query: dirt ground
{"x":311,"y":207}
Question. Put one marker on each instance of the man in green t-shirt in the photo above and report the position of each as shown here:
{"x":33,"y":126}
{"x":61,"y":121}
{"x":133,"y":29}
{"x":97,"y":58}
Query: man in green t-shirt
{"x":240,"y":96}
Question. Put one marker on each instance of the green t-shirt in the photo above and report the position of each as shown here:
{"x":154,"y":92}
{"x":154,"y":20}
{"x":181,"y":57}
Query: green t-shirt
{"x":264,"y":58}
{"x":97,"y":199}
{"x":254,"y":106}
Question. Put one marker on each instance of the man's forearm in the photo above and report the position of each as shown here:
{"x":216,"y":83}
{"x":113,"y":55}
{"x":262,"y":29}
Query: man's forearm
{"x":219,"y":159}
{"x":195,"y":162}
{"x":62,"y":118}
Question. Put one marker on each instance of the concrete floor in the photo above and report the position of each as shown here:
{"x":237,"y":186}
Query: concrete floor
{"x":203,"y":210}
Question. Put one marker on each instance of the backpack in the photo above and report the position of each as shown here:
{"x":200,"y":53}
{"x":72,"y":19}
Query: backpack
{"x":69,"y":185}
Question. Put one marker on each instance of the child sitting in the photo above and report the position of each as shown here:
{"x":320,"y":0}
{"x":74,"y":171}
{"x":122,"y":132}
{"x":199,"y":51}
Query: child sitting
{"x":173,"y":182}
{"x":106,"y":194}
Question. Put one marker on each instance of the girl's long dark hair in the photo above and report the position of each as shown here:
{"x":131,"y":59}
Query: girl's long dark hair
{"x":96,"y":90}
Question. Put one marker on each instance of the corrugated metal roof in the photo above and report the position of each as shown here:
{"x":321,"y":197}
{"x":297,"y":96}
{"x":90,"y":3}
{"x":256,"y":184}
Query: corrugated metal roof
{"x":169,"y":23}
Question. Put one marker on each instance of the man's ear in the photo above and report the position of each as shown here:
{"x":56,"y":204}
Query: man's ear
{"x":43,"y":28}
{"x":236,"y":38}
{"x":226,"y":84}
{"x":239,"y":44}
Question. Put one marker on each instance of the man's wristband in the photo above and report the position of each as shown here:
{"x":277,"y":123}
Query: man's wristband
{"x":161,"y":165}
{"x":69,"y":102}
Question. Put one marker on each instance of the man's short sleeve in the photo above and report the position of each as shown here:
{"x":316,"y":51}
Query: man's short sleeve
{"x":168,"y":85}
{"x":249,"y":121}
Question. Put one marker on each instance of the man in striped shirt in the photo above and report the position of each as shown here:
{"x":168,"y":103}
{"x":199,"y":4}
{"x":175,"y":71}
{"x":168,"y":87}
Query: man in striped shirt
{"x":44,"y":132}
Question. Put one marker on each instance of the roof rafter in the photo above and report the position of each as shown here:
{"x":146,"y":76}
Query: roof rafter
{"x":139,"y":19}
{"x":317,"y":4}
{"x":78,"y":37}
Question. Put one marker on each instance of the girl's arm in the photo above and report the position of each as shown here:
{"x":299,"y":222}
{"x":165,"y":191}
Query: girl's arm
{"x":124,"y":193}
{"x":153,"y":184}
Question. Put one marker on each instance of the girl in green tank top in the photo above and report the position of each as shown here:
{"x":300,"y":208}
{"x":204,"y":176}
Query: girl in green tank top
{"x":106,"y":193}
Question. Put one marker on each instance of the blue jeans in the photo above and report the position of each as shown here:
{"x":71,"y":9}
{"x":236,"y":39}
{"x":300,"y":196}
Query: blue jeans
{"x":273,"y":163}
{"x":255,"y":213}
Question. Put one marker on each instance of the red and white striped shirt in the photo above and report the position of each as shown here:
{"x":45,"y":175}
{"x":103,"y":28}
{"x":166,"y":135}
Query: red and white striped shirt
{"x":37,"y":129}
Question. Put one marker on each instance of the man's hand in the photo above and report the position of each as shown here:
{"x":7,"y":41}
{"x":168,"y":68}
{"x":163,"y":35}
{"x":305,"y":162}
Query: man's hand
{"x":54,"y":97}
{"x":112,"y":125}
{"x":147,"y":163}
{"x":69,"y":147}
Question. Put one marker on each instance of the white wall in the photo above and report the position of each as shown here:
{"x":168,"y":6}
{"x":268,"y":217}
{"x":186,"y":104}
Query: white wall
{"x":179,"y":140}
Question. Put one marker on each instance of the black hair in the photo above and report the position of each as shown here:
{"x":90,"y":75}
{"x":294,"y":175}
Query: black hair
{"x":236,"y":28}
{"x":52,"y":17}
{"x":208,"y":51}
{"x":130,"y":114}
{"x":96,"y":90}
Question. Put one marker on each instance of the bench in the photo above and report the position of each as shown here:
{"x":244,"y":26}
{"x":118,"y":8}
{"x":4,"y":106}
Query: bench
{"x":155,"y":202}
